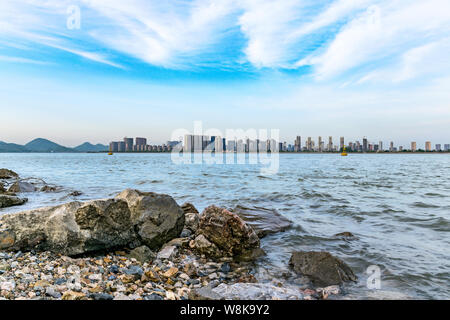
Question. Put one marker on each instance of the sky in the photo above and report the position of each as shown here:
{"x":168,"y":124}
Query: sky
{"x":99,"y":70}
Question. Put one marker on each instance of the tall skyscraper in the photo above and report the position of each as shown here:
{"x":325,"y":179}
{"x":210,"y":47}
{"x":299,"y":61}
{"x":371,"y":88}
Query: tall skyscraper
{"x":320,"y":142}
{"x":380,"y":146}
{"x":438,"y":147}
{"x":309,"y":144}
{"x":446,"y":147}
{"x":114,"y":147}
{"x":188,"y":143}
{"x":391,"y":146}
{"x":330,"y":143}
{"x":413,"y":146}
{"x":128,"y":144}
{"x":218,"y":144}
{"x":298,"y":144}
{"x":428,"y":146}
{"x":342,"y":143}
{"x":365,"y":146}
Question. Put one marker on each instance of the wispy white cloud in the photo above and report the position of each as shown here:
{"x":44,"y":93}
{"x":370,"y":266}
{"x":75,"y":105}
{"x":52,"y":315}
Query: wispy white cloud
{"x":21,"y":60}
{"x":352,"y":39}
{"x":384,"y":32}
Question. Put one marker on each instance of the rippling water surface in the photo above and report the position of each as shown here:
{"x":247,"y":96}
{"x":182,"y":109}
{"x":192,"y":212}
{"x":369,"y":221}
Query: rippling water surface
{"x":398,"y":205}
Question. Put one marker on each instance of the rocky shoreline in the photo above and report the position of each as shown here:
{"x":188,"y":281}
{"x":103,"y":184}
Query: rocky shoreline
{"x":144,"y":246}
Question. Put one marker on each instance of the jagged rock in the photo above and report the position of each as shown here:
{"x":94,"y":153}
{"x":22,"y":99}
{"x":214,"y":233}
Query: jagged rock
{"x":142,"y":254}
{"x":167,"y":252}
{"x":9,"y":201}
{"x":245,"y":291}
{"x":204,"y":246}
{"x":2,"y":187}
{"x":76,"y":227}
{"x":263,"y":221}
{"x":322,"y":268}
{"x":8,"y":174}
{"x":157,"y":217}
{"x":22,"y":186}
{"x":227,"y":231}
{"x":188,"y":208}
{"x":192,"y":216}
{"x":191,"y":221}
{"x":49,"y":188}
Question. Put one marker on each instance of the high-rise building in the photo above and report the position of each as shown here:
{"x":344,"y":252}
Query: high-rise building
{"x":380,"y":146}
{"x":218,"y":144}
{"x":391,"y":146}
{"x":413,"y":146}
{"x":365,"y":146}
{"x":309,"y":144}
{"x":141,"y":144}
{"x":342,"y":143}
{"x":128,"y":144}
{"x":446,"y":147}
{"x":121,"y":146}
{"x":438,"y":147}
{"x":114,"y":147}
{"x":298,"y":144}
{"x":330,"y":143}
{"x":188,"y":143}
{"x":231,"y":145}
{"x":320,"y":143}
{"x":428,"y":146}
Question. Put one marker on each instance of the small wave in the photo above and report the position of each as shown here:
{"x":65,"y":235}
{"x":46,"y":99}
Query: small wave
{"x":424,"y":205}
{"x":432,"y":194}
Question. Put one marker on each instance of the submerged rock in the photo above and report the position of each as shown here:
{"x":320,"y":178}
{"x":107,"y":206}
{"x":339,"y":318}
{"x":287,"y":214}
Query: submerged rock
{"x":157,"y":217}
{"x":227,"y":231}
{"x":8,"y":174}
{"x":22,"y":186}
{"x":263,"y":221}
{"x":133,"y":218}
{"x":245,"y":291}
{"x":322,"y":268}
{"x":9,"y":201}
{"x":345,"y":235}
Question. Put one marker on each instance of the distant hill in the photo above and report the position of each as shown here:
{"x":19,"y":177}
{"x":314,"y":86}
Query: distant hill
{"x":44,"y":145}
{"x":11,"y":147}
{"x":89,"y":147}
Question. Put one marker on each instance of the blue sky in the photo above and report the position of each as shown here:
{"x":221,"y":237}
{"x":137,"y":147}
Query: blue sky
{"x":145,"y":68}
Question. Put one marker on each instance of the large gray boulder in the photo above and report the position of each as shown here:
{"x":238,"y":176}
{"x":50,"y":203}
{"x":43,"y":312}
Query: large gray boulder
{"x":10,"y":200}
{"x":227,"y":232}
{"x":157,"y":218}
{"x":131,"y":219}
{"x":263,"y":221}
{"x":322,"y":268}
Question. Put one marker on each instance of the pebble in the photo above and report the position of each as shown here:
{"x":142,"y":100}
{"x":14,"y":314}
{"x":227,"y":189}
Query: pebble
{"x":115,"y":275}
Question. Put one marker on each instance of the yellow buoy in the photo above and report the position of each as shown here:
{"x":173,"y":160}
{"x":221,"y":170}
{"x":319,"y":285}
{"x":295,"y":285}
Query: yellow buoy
{"x":110,"y":153}
{"x":344,"y":152}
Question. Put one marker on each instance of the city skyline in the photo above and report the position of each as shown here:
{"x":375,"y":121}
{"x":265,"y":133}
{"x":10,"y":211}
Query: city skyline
{"x":339,"y":67}
{"x":200,"y":143}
